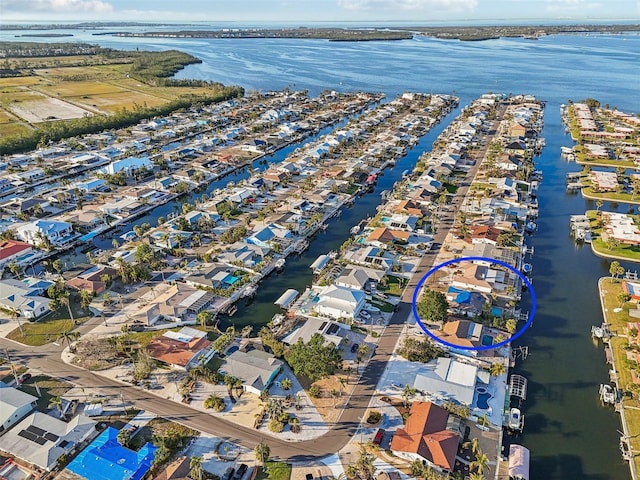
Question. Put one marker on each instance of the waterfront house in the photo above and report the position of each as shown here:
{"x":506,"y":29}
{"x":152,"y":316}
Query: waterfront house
{"x":384,"y":237}
{"x":24,"y":297}
{"x":256,"y":369}
{"x":182,"y":350}
{"x":211,"y":276}
{"x":479,"y":278}
{"x":246,"y":254}
{"x":173,"y":303}
{"x":465,"y":333}
{"x":14,"y":405}
{"x":396,"y":221}
{"x":358,"y":278}
{"x":57,"y":232}
{"x":127,"y":165}
{"x":604,"y":181}
{"x":448,"y":379}
{"x":91,"y":185}
{"x":484,"y":234}
{"x":272,"y":233}
{"x":431,"y":435}
{"x":339,"y":302}
{"x":332,"y":332}
{"x":370,"y":256}
{"x":14,"y":250}
{"x":466,"y":303}
{"x":620,"y":227}
{"x":41,"y":439}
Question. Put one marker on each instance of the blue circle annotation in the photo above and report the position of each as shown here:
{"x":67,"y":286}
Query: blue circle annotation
{"x":524,"y":279}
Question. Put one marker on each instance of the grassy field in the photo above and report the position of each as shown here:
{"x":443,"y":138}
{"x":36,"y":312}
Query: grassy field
{"x":96,"y":88}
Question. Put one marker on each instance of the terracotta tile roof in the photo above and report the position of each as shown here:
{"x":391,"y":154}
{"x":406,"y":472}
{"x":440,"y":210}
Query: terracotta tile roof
{"x":485,"y":232}
{"x":408,"y":206}
{"x":426,"y":434}
{"x":176,"y":470}
{"x":175,"y":352}
{"x":383,"y":234}
{"x":9,"y":248}
{"x":457,"y":332}
{"x":83,"y":284}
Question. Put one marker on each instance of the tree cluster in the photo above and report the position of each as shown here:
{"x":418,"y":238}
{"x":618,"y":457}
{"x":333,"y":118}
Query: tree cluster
{"x":416,"y":350}
{"x":314,"y":360}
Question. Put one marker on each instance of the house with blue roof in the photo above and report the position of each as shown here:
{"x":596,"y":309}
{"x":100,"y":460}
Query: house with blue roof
{"x":92,"y":185}
{"x":270,"y":233}
{"x":24,"y":298}
{"x":127,"y":165}
{"x":57,"y":232}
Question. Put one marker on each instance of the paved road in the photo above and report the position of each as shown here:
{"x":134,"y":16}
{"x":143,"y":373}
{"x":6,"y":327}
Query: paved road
{"x":47,"y":359}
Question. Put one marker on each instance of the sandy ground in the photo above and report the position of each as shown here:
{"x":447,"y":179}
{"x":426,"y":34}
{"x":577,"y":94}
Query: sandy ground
{"x":40,"y":110}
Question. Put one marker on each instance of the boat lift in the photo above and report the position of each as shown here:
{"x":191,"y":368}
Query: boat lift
{"x":518,"y":387}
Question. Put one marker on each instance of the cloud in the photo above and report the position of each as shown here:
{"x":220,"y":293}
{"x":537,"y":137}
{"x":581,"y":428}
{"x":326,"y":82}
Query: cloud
{"x":573,"y":5}
{"x":408,"y":5}
{"x":57,"y":6}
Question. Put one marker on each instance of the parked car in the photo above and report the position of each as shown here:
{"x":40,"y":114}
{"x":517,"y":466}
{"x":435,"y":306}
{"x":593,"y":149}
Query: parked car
{"x":379,"y":436}
{"x":240,"y":472}
{"x":23,"y":378}
{"x":354,"y":348}
{"x":364,"y":314}
{"x":228,"y":473}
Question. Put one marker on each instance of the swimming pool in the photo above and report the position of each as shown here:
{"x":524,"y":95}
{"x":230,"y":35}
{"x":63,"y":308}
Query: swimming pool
{"x":106,"y":459}
{"x":483,"y":400}
{"x":496,"y":311}
{"x":487,"y":340}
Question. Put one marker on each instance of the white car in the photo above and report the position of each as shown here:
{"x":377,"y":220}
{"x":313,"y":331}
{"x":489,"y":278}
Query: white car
{"x":364,"y":314}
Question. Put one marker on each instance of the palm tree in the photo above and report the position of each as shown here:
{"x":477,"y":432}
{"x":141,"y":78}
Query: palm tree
{"x":476,"y":476}
{"x":195,"y":468}
{"x":86,"y":297}
{"x":56,"y":402}
{"x":262,"y":452}
{"x":480,"y":463}
{"x":474,"y":443}
{"x":343,"y":382}
{"x":286,"y":384}
{"x":124,"y":437}
{"x":215,"y":402}
{"x":407,"y":394}
{"x":69,"y":337}
{"x":497,"y":369}
{"x":64,"y":299}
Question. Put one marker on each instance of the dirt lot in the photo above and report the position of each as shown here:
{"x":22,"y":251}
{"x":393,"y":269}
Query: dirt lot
{"x":47,"y":109}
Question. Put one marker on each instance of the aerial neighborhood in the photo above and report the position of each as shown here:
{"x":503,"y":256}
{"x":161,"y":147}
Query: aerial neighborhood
{"x":130,"y":256}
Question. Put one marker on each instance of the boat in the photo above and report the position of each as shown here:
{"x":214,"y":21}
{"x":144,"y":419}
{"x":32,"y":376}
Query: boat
{"x":607,"y":394}
{"x":596,"y":331}
{"x":516,"y":420}
{"x":355,"y":230}
{"x":279,"y":265}
{"x":526,"y":268}
{"x":530,"y":227}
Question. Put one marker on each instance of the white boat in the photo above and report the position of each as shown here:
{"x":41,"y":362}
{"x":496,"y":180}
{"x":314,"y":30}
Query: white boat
{"x":279,"y":265}
{"x":597,"y":332}
{"x":516,"y":420}
{"x":355,"y":230}
{"x":607,"y":394}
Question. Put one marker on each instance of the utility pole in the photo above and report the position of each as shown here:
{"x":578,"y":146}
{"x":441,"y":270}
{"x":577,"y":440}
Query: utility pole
{"x":13,"y":367}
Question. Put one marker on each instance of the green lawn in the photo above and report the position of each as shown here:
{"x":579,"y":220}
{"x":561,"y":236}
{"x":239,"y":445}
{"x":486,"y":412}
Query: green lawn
{"x":49,"y":387}
{"x":275,"y":471}
{"x":393,"y":286}
{"x":384,"y":306}
{"x":41,"y":332}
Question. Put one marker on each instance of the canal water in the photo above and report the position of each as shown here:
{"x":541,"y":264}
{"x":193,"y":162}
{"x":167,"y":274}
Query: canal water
{"x":570,"y":435}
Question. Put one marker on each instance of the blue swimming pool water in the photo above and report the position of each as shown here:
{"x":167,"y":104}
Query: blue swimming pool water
{"x":483,"y":401}
{"x":232,"y":349}
{"x":496,"y":311}
{"x":231,"y":279}
{"x":487,"y":340}
{"x":106,"y":459}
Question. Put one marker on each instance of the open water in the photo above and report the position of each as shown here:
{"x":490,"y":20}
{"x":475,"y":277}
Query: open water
{"x":570,"y":435}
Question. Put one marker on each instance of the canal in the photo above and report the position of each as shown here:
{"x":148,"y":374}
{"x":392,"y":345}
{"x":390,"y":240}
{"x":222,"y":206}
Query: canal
{"x":570,"y":435}
{"x":297,"y":273}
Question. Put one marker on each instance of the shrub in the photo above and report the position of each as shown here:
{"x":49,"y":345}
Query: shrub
{"x":374,"y":417}
{"x":314,"y":391}
{"x":276,"y":426}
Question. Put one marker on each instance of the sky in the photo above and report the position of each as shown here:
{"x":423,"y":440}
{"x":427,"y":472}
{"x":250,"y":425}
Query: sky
{"x":309,"y":11}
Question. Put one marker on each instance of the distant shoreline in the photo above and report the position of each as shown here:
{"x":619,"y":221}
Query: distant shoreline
{"x":379,"y":32}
